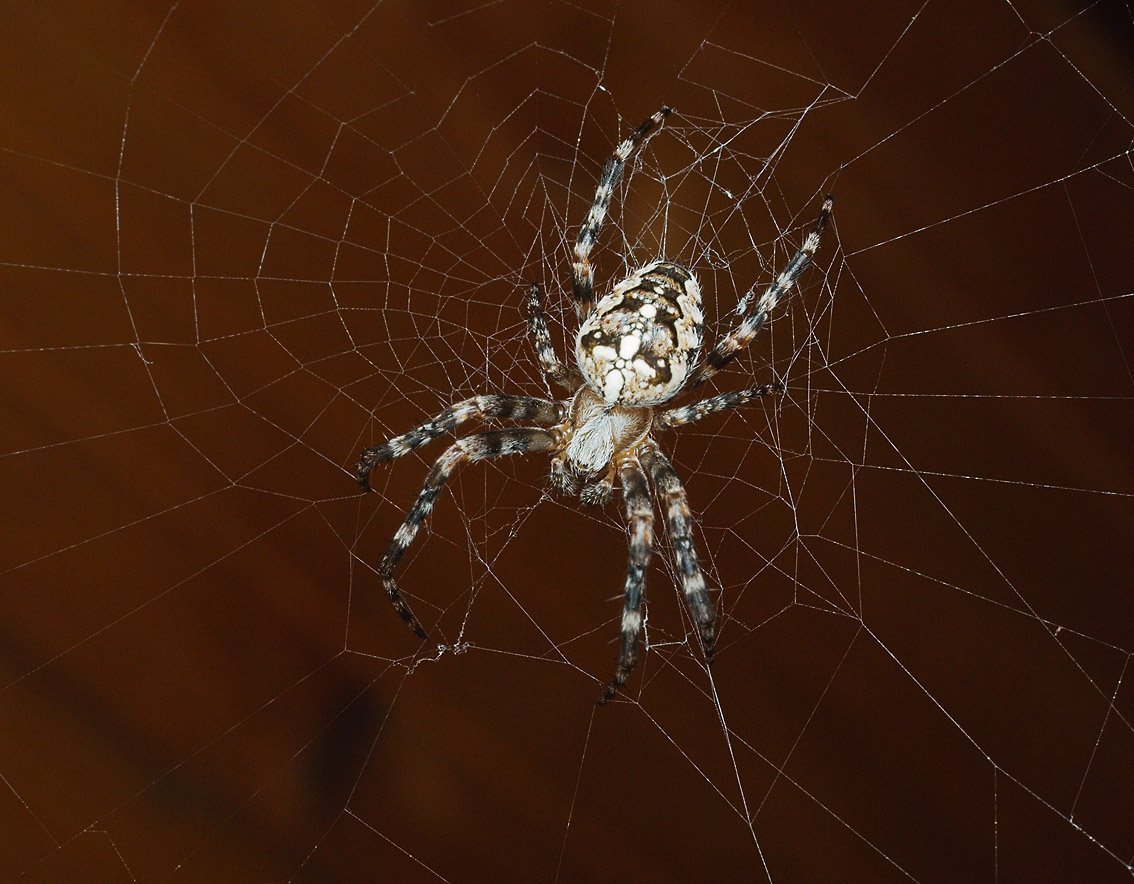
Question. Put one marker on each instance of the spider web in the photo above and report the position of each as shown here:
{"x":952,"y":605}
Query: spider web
{"x":243,"y":243}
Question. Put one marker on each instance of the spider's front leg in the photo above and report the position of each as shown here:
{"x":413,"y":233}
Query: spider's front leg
{"x":472,"y":448}
{"x":540,"y":411}
{"x":640,"y":522}
{"x":679,"y":522}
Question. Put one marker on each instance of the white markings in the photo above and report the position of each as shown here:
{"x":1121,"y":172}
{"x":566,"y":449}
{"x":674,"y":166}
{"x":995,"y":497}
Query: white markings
{"x":612,"y":385}
{"x":692,"y":306}
{"x":694,"y":583}
{"x":631,"y":622}
{"x":625,"y":333}
{"x":643,"y":369}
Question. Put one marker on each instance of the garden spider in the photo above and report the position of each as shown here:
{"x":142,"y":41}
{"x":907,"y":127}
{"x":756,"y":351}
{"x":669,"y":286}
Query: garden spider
{"x":636,"y":349}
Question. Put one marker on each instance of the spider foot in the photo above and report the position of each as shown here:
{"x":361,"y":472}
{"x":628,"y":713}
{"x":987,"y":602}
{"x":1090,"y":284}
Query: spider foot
{"x":362,"y":474}
{"x":627,"y":660}
{"x":561,"y":479}
{"x":611,"y":688}
{"x":597,"y":493}
{"x":369,"y":459}
{"x":615,"y":684}
{"x":403,"y":609}
{"x":708,"y":635}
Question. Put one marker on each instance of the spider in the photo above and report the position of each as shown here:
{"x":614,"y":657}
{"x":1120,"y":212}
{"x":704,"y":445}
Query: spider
{"x":636,"y":350}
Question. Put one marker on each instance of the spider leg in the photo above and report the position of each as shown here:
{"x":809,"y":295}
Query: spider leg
{"x":688,"y":414}
{"x":554,"y":370}
{"x":495,"y":443}
{"x":582,"y":275}
{"x":640,"y":520}
{"x":540,"y":411}
{"x":730,"y":346}
{"x":679,"y":520}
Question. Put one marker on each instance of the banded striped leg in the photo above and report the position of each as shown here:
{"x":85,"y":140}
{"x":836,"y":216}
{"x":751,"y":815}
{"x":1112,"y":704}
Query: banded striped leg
{"x":730,"y":346}
{"x":554,"y":370}
{"x":640,"y":520}
{"x":671,"y":494}
{"x":582,"y":276}
{"x":495,"y":443}
{"x":539,"y":411}
{"x":688,"y":414}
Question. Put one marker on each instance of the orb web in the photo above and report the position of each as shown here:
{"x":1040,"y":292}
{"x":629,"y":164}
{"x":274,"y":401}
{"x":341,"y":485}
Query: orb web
{"x":243,"y":246}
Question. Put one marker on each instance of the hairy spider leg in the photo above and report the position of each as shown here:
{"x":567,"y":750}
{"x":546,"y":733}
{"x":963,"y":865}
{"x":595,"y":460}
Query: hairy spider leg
{"x":688,"y":414}
{"x":754,"y":319}
{"x":495,"y":443}
{"x":640,"y":523}
{"x":679,"y":520}
{"x":555,"y":371}
{"x":543,"y":412}
{"x":582,"y":274}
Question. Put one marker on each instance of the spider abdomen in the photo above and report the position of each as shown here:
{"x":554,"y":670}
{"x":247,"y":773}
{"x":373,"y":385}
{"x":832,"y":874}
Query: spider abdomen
{"x":637,"y":346}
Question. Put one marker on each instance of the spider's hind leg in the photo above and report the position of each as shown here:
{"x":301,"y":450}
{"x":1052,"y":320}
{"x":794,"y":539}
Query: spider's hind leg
{"x":688,"y":414}
{"x":582,"y":274}
{"x":756,"y":315}
{"x":555,"y":371}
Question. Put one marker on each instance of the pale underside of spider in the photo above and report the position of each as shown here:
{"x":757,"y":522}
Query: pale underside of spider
{"x":636,"y":349}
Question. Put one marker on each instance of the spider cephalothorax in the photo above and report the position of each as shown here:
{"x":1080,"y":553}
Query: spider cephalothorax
{"x":636,"y":349}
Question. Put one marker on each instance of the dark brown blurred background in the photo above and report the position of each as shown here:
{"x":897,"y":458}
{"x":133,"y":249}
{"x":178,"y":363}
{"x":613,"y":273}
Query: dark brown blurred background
{"x":240,"y":241}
